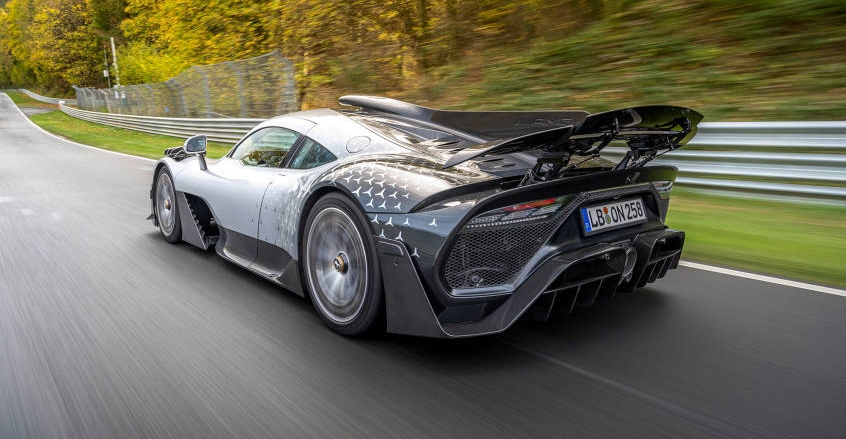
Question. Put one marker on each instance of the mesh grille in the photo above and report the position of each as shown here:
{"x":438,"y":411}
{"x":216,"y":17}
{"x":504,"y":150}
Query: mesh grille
{"x":483,"y":258}
{"x":490,"y":257}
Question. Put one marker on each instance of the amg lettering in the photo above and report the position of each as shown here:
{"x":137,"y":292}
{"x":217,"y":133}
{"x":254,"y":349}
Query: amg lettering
{"x":542,"y":122}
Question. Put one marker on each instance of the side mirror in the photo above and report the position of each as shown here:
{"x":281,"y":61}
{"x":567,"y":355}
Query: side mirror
{"x":197,"y":146}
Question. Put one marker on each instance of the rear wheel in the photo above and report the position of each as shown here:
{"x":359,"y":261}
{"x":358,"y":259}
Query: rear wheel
{"x":340,"y":266}
{"x":167,"y":212}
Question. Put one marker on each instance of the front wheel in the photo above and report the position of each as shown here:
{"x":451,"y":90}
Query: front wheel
{"x":340,"y":266}
{"x":167,"y":212}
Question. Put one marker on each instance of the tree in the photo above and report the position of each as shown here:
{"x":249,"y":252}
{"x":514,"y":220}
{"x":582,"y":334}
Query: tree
{"x":14,"y":39}
{"x":106,"y":17}
{"x":65,"y":52}
{"x":202,"y":32}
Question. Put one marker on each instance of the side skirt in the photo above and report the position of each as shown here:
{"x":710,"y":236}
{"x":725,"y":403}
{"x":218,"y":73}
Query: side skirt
{"x":269,"y":261}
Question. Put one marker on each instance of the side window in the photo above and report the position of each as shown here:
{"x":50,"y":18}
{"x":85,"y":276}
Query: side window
{"x":311,"y":154}
{"x":266,"y":147}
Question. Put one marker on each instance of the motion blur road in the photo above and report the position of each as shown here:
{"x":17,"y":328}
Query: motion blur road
{"x":106,"y":331}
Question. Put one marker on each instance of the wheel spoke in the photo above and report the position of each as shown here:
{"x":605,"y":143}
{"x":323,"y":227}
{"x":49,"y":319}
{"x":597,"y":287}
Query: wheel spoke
{"x":336,"y":265}
{"x":335,"y":290}
{"x":165,"y":204}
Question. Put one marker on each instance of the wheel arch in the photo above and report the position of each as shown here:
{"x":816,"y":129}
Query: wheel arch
{"x":311,"y":200}
{"x":159,"y":166}
{"x":156,"y":171}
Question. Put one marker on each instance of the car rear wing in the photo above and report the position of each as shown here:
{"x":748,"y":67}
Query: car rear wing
{"x":647,"y":131}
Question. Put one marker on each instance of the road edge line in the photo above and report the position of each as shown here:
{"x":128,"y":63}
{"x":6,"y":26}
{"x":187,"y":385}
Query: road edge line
{"x":71,"y":141}
{"x":762,"y":278}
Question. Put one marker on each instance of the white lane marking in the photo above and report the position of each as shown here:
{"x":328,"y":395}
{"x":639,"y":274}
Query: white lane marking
{"x":27,"y":212}
{"x":761,"y":278}
{"x":7,"y":199}
{"x":71,"y":141}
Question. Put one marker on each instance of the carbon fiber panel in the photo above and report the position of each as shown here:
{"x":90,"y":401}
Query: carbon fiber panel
{"x":494,"y":256}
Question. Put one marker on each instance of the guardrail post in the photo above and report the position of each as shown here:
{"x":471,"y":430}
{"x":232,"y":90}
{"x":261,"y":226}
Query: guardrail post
{"x":242,"y":99}
{"x":76,"y":91}
{"x":287,"y":100}
{"x":107,"y":99}
{"x":151,"y":101}
{"x":206,"y":91}
{"x":174,"y":86}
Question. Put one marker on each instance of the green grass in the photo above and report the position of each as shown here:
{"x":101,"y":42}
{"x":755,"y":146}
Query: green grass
{"x":23,"y":100}
{"x":805,"y":242}
{"x":799,"y":241}
{"x":115,"y":139}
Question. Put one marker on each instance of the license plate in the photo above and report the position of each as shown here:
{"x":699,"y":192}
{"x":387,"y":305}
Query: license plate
{"x":608,"y":216}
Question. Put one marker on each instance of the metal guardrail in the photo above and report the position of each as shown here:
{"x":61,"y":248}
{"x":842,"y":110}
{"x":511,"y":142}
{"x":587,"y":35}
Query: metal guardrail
{"x":219,"y":130}
{"x":806,"y":159}
{"x":803,"y":159}
{"x":44,"y":99}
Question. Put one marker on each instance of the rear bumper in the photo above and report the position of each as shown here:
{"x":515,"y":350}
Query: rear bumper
{"x":558,"y":284}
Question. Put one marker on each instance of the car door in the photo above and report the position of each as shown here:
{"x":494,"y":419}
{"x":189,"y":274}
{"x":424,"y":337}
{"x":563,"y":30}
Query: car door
{"x":235,"y":185}
{"x":280,"y":212}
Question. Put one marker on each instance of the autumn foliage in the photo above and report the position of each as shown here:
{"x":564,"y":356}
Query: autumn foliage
{"x":734,"y":59}
{"x":52,"y":44}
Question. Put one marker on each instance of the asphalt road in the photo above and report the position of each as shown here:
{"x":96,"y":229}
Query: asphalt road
{"x":106,"y":331}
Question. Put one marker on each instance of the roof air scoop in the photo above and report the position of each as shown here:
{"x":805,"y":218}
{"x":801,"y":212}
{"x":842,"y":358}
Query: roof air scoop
{"x":387,"y":105}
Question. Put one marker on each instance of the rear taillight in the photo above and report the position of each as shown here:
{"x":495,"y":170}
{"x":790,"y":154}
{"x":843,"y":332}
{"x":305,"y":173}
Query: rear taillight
{"x":663,"y":187}
{"x":518,"y":213}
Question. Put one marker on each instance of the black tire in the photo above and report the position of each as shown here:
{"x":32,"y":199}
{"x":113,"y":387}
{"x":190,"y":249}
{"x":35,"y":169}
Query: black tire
{"x":340,"y":268}
{"x":167,"y":209}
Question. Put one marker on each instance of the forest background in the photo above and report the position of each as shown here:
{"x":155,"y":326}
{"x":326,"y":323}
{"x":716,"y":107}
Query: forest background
{"x":751,"y":60}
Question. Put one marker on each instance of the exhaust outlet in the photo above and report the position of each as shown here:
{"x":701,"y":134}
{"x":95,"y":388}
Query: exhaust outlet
{"x":628,"y":268}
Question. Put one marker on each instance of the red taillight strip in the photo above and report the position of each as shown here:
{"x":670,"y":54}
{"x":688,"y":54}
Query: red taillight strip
{"x":530,"y":205}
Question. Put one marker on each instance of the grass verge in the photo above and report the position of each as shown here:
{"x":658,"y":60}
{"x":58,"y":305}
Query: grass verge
{"x":786,"y":239}
{"x":22,"y":100}
{"x":115,"y":139}
{"x":805,"y":242}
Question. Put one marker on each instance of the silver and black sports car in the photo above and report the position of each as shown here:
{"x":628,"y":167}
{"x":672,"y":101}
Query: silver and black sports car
{"x":435,"y":223}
